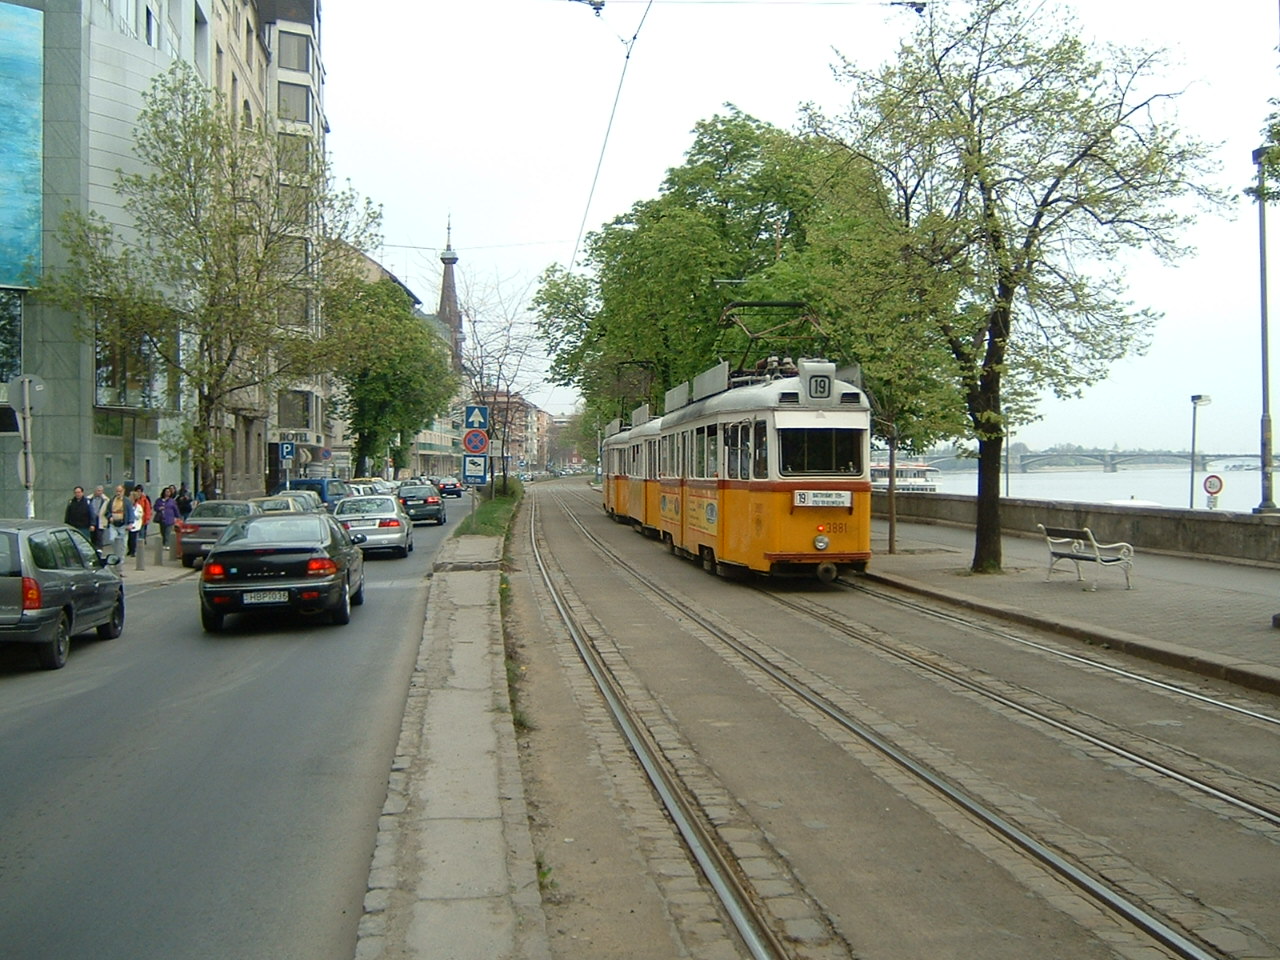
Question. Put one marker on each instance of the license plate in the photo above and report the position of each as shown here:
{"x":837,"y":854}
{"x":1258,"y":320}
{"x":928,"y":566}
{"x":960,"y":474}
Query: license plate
{"x":364,"y":523}
{"x":266,"y":596}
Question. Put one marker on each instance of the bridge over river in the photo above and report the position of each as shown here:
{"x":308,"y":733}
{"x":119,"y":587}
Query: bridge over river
{"x":1109,"y":461}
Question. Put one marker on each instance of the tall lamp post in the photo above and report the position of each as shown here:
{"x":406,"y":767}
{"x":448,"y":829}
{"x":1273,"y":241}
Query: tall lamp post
{"x":1268,"y":504}
{"x":1198,"y":400}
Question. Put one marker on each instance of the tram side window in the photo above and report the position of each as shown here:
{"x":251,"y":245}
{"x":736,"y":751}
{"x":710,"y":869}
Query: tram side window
{"x":760,"y":450}
{"x":713,"y":450}
{"x":651,"y":459}
{"x":700,"y":452}
{"x":732,"y":447}
{"x":820,"y":450}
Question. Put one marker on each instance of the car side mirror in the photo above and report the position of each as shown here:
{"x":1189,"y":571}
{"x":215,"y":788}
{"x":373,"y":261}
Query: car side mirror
{"x":110,"y":560}
{"x":358,"y":538}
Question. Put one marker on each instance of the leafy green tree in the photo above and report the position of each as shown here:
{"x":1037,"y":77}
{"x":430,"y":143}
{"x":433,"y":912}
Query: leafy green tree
{"x":646,"y":317}
{"x":399,"y":377}
{"x":236,"y":235}
{"x":1020,"y":164}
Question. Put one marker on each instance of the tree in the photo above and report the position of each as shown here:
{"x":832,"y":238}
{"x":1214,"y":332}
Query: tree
{"x":398,"y":379}
{"x":646,"y":318}
{"x":236,"y":235}
{"x":497,"y":364}
{"x":1019,"y":165}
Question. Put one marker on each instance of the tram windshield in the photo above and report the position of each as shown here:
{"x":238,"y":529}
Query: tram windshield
{"x":813,"y":450}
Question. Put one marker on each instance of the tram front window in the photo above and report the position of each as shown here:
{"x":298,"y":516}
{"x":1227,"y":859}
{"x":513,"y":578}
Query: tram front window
{"x":815,"y":450}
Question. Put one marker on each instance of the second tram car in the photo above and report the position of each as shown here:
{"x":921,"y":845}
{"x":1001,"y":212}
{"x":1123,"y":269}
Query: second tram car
{"x":766,"y":471}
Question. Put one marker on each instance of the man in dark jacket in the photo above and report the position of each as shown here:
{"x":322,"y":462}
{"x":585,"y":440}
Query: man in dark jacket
{"x":79,"y":514}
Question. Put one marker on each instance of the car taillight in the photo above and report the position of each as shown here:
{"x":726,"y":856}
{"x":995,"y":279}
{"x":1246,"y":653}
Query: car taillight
{"x":388,"y":522}
{"x":31,"y":599}
{"x":321,"y":567}
{"x":433,"y":499}
{"x":188,"y":527}
{"x":213,"y":571}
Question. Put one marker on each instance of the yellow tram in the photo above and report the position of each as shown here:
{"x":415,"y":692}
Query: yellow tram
{"x":766,"y":471}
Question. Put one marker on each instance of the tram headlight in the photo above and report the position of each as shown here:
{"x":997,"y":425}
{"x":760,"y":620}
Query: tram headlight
{"x":820,"y":542}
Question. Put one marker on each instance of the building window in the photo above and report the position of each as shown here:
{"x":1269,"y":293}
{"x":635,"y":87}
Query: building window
{"x":153,"y":29}
{"x":10,"y":334}
{"x":295,"y":102}
{"x":294,"y":51}
{"x":294,"y":153}
{"x":127,"y":375}
{"x":248,"y":42}
{"x":295,"y":410}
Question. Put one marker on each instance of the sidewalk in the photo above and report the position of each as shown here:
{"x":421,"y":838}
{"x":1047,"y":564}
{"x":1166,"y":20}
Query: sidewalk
{"x":454,"y":874}
{"x":1204,"y":616}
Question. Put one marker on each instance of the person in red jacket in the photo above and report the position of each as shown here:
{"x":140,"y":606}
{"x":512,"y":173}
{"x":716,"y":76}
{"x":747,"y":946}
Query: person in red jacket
{"x":142,"y":517}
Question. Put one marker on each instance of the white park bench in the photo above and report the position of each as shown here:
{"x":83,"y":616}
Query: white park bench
{"x":1080,"y":546}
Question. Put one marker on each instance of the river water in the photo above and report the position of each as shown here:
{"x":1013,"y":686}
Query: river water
{"x":1166,"y":486}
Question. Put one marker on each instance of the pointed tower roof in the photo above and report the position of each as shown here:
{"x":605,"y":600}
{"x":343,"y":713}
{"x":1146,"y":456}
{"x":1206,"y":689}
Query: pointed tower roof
{"x":450,"y":313}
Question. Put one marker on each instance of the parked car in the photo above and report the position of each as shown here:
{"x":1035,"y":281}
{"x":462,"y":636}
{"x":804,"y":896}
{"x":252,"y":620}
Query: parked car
{"x":54,"y":585}
{"x":422,"y":502}
{"x":205,"y":524}
{"x":309,"y":499}
{"x":303,"y":562}
{"x":329,"y":489}
{"x":285,"y":503}
{"x":382,"y":520}
{"x":449,"y":486}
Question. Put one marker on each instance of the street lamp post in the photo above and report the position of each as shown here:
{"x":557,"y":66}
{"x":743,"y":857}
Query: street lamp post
{"x":1268,"y":504}
{"x":1198,"y":400}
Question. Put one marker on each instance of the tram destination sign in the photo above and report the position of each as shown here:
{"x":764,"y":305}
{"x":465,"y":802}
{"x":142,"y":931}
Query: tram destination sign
{"x":821,"y":498}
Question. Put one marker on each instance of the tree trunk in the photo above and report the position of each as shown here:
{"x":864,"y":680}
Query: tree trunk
{"x":987,"y":552}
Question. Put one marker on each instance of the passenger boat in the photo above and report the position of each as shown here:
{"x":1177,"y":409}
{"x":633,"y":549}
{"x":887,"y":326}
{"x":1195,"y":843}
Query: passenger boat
{"x":911,"y":478}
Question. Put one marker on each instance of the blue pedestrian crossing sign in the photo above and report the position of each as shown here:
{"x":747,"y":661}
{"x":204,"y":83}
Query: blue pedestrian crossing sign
{"x":477,"y":417}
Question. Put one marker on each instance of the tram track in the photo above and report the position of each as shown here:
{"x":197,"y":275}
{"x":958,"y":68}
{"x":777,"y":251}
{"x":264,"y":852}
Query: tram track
{"x":739,"y":902}
{"x":1169,"y":935}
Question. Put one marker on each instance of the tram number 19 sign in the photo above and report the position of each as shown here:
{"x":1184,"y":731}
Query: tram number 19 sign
{"x":475,"y":441}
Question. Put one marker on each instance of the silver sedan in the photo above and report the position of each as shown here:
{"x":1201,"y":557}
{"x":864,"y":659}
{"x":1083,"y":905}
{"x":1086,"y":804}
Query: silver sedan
{"x":382,"y":520}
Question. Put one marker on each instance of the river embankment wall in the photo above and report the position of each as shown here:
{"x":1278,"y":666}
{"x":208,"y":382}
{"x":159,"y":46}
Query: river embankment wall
{"x":1238,"y":537}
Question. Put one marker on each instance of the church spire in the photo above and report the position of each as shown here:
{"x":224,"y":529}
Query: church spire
{"x":449,"y":311}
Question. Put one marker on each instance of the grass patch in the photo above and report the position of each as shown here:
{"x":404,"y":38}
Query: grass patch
{"x":493,"y":511}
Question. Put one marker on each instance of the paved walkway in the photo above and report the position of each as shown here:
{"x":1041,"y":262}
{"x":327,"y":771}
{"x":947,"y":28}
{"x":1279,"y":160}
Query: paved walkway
{"x":1210,"y":617}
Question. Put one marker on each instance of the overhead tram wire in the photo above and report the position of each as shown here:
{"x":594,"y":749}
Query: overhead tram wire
{"x":608,"y":129}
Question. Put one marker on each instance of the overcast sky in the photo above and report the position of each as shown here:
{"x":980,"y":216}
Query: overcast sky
{"x":494,"y":113}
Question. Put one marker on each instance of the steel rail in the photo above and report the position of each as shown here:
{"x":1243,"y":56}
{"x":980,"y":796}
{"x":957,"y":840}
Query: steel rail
{"x":759,"y":939}
{"x":832,"y":621}
{"x":1150,"y":924}
{"x":948,"y":617}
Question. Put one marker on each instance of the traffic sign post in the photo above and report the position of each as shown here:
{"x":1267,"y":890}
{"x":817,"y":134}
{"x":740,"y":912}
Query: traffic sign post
{"x":477,"y":418}
{"x":475,"y":442}
{"x":1212,"y":486}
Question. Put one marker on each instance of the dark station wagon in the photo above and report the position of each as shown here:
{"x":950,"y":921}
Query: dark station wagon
{"x":53,"y":585}
{"x":422,"y":501}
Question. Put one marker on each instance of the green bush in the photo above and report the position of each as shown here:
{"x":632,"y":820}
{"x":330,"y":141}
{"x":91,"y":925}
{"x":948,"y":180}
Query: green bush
{"x":493,"y":510}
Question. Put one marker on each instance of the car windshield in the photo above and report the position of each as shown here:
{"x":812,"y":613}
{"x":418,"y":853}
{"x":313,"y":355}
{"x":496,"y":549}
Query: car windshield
{"x":299,"y":529}
{"x":366,"y":505}
{"x":220,"y":509}
{"x":417,"y":491}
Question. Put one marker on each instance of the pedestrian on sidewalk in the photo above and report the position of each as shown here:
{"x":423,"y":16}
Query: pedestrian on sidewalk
{"x":142,"y":517}
{"x":79,"y":513}
{"x":96,"y":503}
{"x":183,"y":499}
{"x":117,"y":516}
{"x":166,"y":512}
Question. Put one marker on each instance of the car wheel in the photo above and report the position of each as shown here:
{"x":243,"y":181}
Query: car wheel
{"x":115,"y":626}
{"x":410,"y":548}
{"x":342,"y":612}
{"x":440,"y":522}
{"x":212,"y":622}
{"x":53,"y":655}
{"x":188,"y":561}
{"x":357,"y":598}
{"x":403,"y":551}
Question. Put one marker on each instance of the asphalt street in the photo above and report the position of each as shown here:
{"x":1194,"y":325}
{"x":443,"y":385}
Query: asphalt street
{"x":174,"y":794}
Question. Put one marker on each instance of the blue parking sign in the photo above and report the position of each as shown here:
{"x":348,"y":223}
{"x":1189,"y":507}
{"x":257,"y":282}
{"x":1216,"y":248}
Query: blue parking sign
{"x":287,"y":450}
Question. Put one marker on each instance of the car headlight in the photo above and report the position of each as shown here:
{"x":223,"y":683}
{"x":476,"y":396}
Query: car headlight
{"x":820,"y":542}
